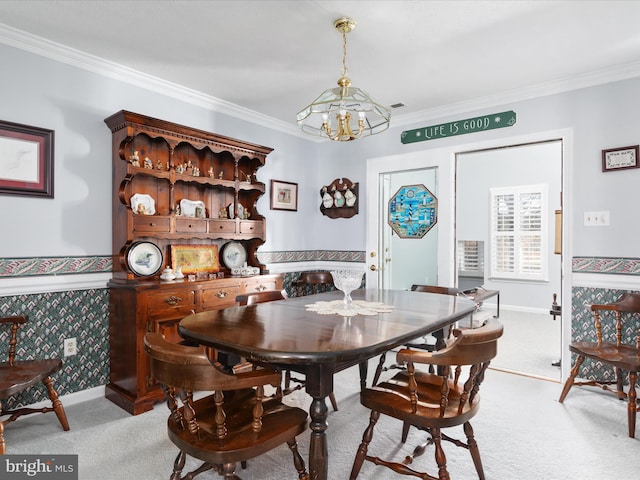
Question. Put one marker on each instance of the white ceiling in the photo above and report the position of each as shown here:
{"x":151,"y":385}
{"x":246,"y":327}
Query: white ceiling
{"x":274,"y":57}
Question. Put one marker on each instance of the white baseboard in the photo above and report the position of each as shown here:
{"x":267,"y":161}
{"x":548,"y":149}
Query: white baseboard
{"x":75,"y":397}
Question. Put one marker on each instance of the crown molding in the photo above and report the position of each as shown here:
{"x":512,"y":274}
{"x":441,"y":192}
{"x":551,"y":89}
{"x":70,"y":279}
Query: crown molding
{"x":70,"y":56}
{"x":591,"y":79}
{"x":76,"y":58}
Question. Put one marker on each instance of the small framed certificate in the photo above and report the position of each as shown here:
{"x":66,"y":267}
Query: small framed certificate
{"x":620,"y":158}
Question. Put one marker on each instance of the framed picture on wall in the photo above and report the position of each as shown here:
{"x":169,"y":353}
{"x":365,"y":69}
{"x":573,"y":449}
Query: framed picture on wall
{"x":620,"y":158}
{"x":284,"y":195}
{"x":26,"y":160}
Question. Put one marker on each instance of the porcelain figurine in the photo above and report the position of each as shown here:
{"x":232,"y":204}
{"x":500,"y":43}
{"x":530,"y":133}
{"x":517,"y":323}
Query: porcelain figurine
{"x":135,"y":159}
{"x":327,"y":200}
{"x":179,"y":274}
{"x":148,"y":163}
{"x":338,"y":198}
{"x":167,"y":274}
{"x":349,"y":197}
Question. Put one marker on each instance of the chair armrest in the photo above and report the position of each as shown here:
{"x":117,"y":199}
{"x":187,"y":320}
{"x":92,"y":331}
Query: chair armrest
{"x":16,"y":319}
{"x":466,"y":344}
{"x":182,"y":361}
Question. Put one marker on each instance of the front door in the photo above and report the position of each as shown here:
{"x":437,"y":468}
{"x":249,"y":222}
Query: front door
{"x":408,"y":229}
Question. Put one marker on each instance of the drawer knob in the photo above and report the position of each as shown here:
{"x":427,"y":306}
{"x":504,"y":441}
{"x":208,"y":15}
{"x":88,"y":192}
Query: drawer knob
{"x":173,"y":300}
{"x":152,"y":224}
{"x":260,"y":288}
{"x":222,"y":294}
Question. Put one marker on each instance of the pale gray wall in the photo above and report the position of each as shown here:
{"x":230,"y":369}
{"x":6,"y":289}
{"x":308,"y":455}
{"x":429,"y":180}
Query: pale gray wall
{"x":73,"y":102}
{"x":37,"y":91}
{"x":598,"y":117}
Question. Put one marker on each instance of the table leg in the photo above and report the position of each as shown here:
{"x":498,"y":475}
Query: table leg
{"x":364,"y":369}
{"x":319,"y":384}
{"x":318,"y":453}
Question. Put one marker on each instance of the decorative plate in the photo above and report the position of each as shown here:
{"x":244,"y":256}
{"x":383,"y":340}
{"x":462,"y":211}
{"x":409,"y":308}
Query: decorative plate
{"x":143,"y":204}
{"x":234,"y":255}
{"x":144,"y":258}
{"x":192,"y":208}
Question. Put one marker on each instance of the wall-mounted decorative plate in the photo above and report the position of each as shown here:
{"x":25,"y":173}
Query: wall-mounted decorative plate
{"x":234,"y":255}
{"x":144,"y":259}
{"x":143,"y":204}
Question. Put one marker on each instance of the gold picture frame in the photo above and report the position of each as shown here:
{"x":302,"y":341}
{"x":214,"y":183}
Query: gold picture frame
{"x":195,"y":258}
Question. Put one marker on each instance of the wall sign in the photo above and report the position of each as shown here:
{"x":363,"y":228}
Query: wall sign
{"x":460,"y":127}
{"x":413,"y":211}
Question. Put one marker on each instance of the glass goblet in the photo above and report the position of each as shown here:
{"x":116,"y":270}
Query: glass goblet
{"x":346,"y":281}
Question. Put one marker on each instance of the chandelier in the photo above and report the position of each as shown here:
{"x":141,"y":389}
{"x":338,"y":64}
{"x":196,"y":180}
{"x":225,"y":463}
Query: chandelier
{"x":355,"y":114}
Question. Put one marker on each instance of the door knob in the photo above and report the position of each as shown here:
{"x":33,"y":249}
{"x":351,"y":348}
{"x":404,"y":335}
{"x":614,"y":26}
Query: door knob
{"x":373,"y":268}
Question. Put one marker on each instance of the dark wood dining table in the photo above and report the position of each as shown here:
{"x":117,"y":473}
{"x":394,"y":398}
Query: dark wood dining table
{"x":284,"y":334}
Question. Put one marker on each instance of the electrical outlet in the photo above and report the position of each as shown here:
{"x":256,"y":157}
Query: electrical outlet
{"x":70,"y":347}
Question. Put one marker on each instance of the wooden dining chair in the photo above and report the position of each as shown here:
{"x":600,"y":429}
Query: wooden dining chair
{"x":313,"y":282}
{"x":234,"y":423}
{"x":433,"y":402}
{"x":270,"y":296}
{"x":617,"y":324}
{"x":20,"y":375}
{"x":440,"y":336}
{"x":423,"y":344}
{"x":260,"y":297}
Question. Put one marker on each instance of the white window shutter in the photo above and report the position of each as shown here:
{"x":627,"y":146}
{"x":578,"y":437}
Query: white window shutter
{"x":518,"y":233}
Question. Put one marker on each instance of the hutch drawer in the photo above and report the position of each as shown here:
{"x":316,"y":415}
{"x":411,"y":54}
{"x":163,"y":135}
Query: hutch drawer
{"x":151,"y":224}
{"x":193,"y":225}
{"x":213,"y":298}
{"x":252,"y":227}
{"x":171,"y":300}
{"x":222,"y":226}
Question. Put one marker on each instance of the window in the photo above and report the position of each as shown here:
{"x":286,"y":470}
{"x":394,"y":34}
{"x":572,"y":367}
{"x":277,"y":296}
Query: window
{"x":519,"y":243}
{"x":470,"y":258}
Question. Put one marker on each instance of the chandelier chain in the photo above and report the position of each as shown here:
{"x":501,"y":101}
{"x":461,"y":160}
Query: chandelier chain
{"x":344,"y":53}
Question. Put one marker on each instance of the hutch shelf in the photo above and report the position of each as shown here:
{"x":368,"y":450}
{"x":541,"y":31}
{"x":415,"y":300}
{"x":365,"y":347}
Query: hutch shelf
{"x":175,"y":185}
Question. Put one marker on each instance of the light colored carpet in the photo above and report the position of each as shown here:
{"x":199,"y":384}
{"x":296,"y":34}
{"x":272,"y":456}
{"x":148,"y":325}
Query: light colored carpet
{"x":530,"y":344}
{"x":522,"y":431}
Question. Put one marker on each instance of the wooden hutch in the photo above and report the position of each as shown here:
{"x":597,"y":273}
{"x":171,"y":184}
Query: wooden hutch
{"x":161,"y":165}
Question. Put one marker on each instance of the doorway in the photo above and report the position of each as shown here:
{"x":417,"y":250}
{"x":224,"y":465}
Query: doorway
{"x":444,"y":163}
{"x":411,"y":258}
{"x":517,"y":245}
